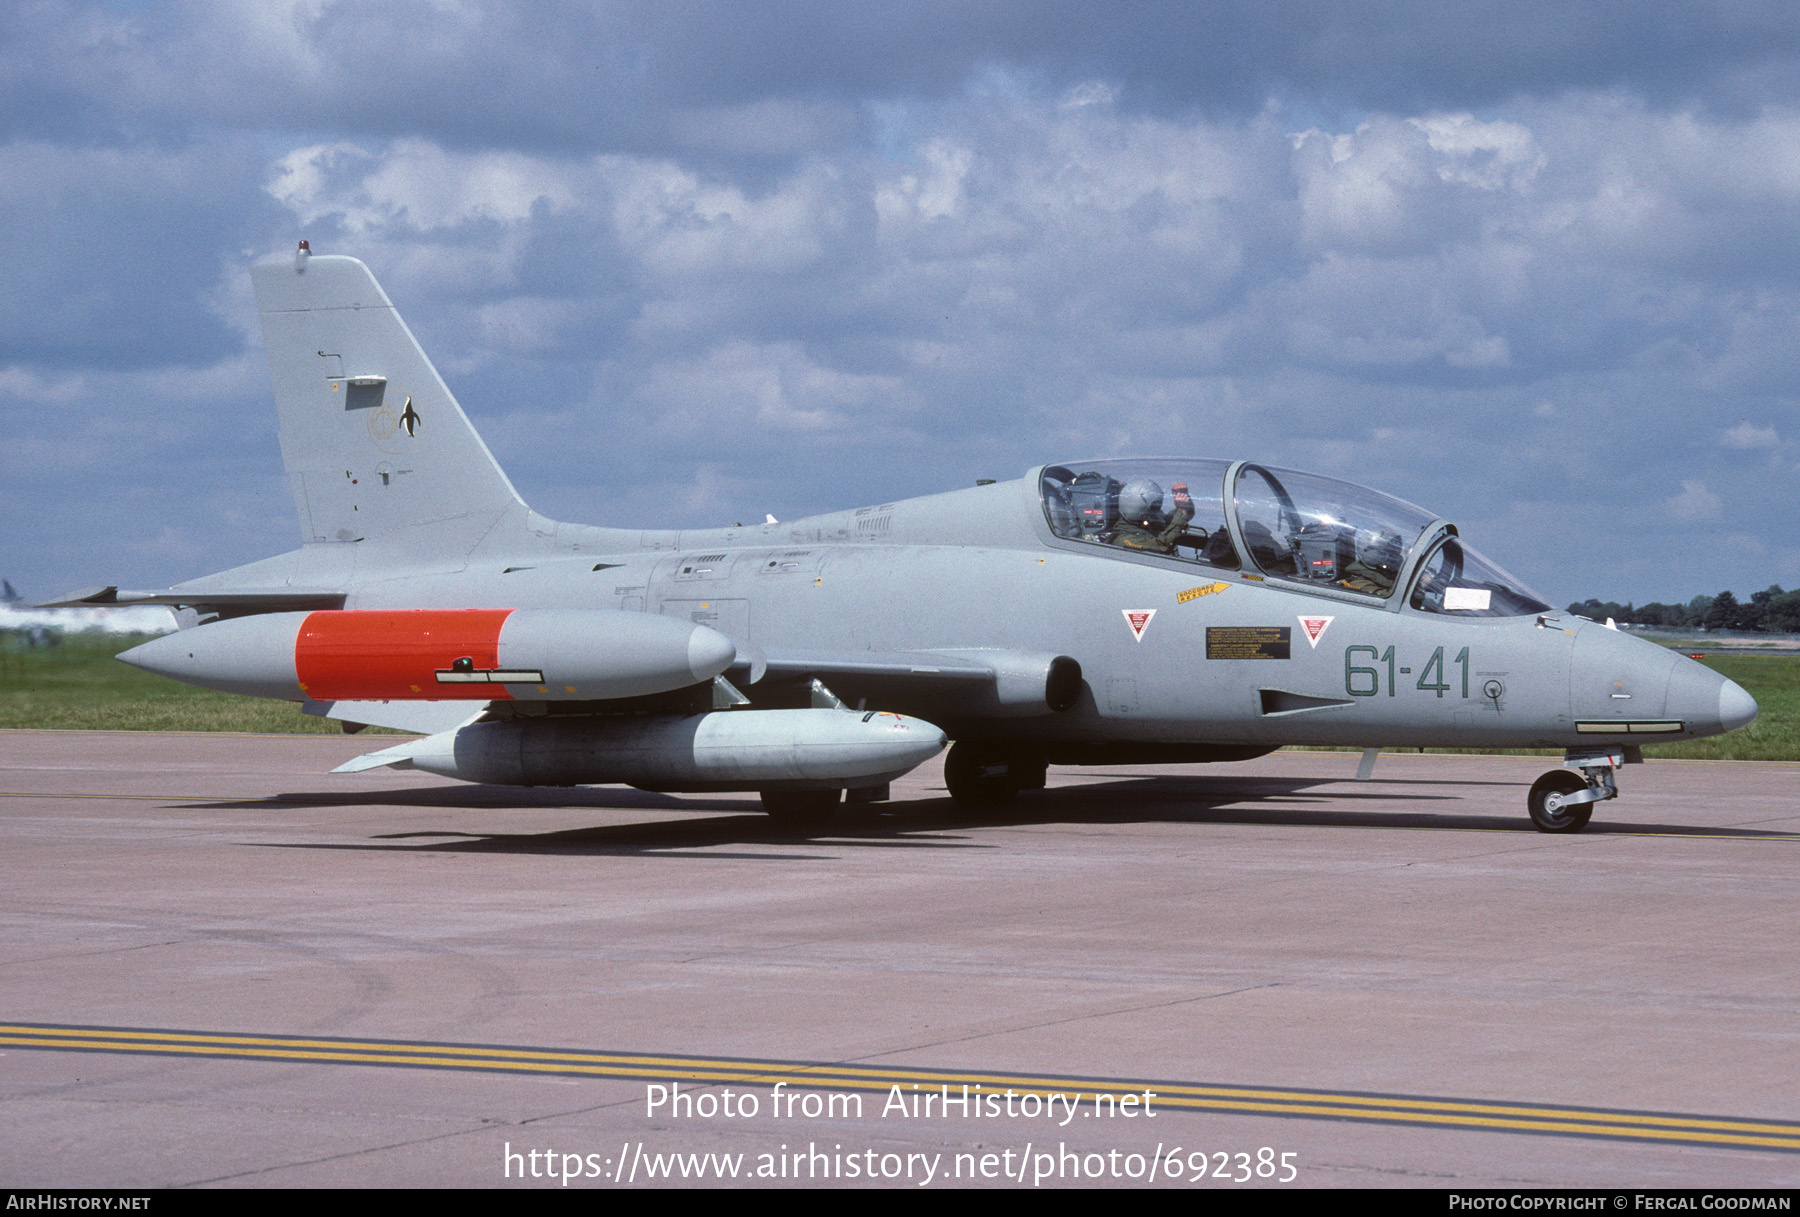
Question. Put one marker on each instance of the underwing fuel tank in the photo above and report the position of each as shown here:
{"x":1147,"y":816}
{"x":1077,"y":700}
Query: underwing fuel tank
{"x":441,"y":655}
{"x":723,"y":750}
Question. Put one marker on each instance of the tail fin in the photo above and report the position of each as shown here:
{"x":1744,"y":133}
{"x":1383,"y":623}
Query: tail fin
{"x":372,"y":439}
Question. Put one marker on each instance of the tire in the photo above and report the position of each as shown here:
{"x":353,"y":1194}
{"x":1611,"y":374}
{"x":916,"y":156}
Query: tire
{"x":968,"y":772}
{"x":800,"y":808}
{"x":1548,"y":811}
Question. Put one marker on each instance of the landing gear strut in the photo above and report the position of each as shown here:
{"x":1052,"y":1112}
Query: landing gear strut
{"x":1563,"y":799}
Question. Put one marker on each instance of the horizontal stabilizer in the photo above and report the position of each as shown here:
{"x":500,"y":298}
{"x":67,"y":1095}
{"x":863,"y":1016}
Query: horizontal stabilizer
{"x":279,"y":600}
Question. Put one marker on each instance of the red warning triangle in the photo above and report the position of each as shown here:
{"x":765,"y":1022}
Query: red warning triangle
{"x":1314,"y":627}
{"x":1138,"y":620}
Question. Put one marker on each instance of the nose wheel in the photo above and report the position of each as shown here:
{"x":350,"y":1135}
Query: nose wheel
{"x":1563,"y":799}
{"x":1549,"y":802}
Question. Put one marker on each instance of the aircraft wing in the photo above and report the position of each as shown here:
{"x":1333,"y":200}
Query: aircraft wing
{"x":262,"y":600}
{"x":945,"y":683}
{"x":902,"y":665}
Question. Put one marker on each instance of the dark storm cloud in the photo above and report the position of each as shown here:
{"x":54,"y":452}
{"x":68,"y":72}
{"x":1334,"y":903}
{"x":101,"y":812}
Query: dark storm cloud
{"x":637,"y":76}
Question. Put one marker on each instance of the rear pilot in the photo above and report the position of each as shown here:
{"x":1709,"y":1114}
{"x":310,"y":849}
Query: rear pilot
{"x":1140,"y":506}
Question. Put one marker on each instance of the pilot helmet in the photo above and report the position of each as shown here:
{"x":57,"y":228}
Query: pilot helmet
{"x":1140,"y":499}
{"x":1379,"y":549}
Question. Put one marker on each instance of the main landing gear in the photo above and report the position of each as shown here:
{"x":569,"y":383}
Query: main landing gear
{"x":1563,"y":799}
{"x":986,"y":775}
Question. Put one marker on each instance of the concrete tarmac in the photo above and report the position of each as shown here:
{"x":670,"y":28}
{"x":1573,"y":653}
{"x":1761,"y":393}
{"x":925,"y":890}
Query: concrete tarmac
{"x":1258,"y":929}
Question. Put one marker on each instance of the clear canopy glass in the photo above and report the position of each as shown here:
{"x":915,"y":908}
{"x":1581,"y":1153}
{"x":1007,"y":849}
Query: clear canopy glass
{"x":1326,"y":532}
{"x":1317,"y":532}
{"x":1168,"y":507}
{"x":1455,"y":579}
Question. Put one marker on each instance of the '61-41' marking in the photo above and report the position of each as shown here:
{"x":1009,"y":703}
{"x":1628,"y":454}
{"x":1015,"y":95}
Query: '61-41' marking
{"x":1364,"y":680}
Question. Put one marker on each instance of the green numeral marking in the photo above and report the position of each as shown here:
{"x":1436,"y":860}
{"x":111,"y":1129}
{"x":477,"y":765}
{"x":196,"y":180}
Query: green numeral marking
{"x":1436,"y":665}
{"x":1462,"y":657}
{"x":1389,"y":659}
{"x":1351,"y":672}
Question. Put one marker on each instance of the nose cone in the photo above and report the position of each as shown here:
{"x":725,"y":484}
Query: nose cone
{"x":1707,"y":702}
{"x":1736,"y":707}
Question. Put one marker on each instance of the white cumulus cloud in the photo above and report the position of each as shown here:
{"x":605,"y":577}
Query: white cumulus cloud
{"x":1695,"y":503}
{"x":1747,"y":435}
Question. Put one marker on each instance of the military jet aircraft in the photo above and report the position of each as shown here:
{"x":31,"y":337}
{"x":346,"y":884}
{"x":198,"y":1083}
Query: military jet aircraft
{"x":1105,"y":611}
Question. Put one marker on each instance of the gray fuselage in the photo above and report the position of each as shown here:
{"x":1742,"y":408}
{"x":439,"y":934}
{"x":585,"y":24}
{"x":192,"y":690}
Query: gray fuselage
{"x":980,"y":568}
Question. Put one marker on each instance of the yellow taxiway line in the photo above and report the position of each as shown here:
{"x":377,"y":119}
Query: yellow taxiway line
{"x":1417,"y":1110}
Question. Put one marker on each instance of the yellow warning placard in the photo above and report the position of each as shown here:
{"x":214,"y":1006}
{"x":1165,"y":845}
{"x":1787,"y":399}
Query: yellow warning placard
{"x":1194,"y":593}
{"x":1249,"y":642}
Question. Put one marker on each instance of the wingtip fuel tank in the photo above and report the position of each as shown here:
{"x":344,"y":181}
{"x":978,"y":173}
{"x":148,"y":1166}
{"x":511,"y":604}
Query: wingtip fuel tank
{"x":441,"y":655}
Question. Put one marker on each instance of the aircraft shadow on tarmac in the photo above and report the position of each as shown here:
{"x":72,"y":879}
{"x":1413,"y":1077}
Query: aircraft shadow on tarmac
{"x":939,"y":823}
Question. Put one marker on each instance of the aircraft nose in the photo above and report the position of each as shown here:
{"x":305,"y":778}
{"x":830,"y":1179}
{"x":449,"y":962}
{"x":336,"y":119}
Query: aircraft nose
{"x":1736,"y":707}
{"x":1707,"y":702}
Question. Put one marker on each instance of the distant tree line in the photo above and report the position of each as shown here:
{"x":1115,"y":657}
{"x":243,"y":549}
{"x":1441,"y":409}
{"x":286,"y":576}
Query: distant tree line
{"x":1773,"y":611}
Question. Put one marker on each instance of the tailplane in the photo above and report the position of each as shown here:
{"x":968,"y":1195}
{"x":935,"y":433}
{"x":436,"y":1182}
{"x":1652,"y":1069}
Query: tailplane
{"x":372,"y":439}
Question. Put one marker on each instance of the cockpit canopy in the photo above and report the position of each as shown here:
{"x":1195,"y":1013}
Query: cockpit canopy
{"x":1315,"y":532}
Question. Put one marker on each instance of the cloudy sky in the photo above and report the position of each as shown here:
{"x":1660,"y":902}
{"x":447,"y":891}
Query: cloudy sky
{"x":1535,"y":266}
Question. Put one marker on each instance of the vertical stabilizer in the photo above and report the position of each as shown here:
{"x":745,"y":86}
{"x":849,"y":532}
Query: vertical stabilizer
{"x":372,"y":439}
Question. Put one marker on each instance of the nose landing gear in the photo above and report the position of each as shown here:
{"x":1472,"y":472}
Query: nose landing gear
{"x":1563,"y":800}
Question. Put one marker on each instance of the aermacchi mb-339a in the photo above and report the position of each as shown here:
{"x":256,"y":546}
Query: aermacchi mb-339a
{"x":1108,"y":611}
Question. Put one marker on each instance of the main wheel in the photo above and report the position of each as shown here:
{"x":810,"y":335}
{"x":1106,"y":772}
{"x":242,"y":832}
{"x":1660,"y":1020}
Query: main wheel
{"x":799,"y":808}
{"x":1549,"y":811}
{"x":981,"y":775}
